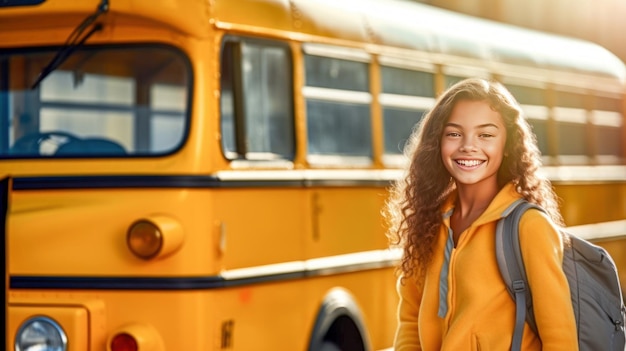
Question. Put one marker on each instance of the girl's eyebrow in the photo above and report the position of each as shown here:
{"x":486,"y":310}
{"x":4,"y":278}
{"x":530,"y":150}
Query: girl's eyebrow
{"x":486,"y":125}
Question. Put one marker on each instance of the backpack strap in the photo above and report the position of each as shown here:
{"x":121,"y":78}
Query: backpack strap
{"x":511,"y":264}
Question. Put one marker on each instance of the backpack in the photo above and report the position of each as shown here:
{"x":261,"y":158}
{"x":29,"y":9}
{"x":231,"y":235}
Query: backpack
{"x":592,"y":276}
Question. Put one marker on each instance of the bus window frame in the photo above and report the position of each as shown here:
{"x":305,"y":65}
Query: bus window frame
{"x":241,"y":157}
{"x":338,"y":96}
{"x":416,"y":103}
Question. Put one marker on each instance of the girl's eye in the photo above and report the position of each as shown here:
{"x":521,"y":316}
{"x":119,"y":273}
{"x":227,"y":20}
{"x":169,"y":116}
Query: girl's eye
{"x":453,"y":134}
{"x":486,"y":135}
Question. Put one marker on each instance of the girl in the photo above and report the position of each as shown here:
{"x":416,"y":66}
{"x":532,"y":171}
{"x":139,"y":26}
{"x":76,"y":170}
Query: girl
{"x":472,"y":156}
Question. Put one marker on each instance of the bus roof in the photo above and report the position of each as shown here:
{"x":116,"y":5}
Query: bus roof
{"x":410,"y":25}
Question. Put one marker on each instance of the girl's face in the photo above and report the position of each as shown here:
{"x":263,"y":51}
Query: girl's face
{"x":472,"y":144}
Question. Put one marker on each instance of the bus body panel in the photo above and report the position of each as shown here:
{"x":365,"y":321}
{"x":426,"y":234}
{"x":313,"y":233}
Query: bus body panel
{"x":271,"y":251}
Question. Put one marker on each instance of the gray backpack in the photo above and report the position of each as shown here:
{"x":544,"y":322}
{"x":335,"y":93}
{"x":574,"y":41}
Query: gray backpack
{"x":592,"y":276}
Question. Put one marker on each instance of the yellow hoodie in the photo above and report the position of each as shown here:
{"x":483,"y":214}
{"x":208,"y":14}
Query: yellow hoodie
{"x":478,"y":314}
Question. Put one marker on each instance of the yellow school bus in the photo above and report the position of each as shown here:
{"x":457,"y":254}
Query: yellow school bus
{"x":209,"y":175}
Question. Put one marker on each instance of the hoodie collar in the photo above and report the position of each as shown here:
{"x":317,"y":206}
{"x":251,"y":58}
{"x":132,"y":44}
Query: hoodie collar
{"x":506,"y":196}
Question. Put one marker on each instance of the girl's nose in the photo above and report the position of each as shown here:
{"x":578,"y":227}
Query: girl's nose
{"x":467,"y":146}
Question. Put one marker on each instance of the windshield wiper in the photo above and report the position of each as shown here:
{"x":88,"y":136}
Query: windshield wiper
{"x":74,"y":41}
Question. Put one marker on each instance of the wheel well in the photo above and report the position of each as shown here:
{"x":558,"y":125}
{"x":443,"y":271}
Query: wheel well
{"x":344,"y":333}
{"x":340,"y":322}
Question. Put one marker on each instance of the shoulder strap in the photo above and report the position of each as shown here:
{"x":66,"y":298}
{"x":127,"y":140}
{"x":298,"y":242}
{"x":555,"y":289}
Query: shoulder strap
{"x":511,"y":264}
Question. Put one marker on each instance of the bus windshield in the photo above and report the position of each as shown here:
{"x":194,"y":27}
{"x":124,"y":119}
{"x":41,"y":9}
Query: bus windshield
{"x":101,"y":102}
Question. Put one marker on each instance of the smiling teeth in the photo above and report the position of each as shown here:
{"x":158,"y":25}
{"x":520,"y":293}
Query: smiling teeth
{"x":469,"y":163}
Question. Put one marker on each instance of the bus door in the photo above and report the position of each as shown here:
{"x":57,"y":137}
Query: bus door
{"x":260,"y":206}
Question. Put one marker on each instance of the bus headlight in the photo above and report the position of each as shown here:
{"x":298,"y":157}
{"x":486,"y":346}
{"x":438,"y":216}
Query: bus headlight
{"x":154,"y":236}
{"x":40,"y":334}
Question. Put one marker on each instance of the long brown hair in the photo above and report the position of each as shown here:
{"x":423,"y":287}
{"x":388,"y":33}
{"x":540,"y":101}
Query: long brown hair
{"x":413,"y":211}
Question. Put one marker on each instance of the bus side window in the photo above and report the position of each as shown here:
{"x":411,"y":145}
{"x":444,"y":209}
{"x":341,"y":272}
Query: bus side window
{"x":405,"y":97}
{"x":451,"y":79}
{"x":256,"y":103}
{"x":571,"y":126}
{"x":534,"y":103}
{"x":607,"y":118}
{"x":338,"y":110}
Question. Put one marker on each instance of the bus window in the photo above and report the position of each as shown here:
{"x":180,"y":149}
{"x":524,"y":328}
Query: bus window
{"x":256,"y":103}
{"x":571,"y":126}
{"x":450,"y":80}
{"x":101,"y":102}
{"x":405,"y":97}
{"x":338,"y":110}
{"x":607,"y":129}
{"x":534,"y":103}
{"x":453,"y":74}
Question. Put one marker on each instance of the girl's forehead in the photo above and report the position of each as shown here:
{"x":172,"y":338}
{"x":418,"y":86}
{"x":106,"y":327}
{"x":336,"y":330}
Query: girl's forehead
{"x":474,"y":113}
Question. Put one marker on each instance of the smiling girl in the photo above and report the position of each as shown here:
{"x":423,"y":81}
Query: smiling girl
{"x":472,"y":156}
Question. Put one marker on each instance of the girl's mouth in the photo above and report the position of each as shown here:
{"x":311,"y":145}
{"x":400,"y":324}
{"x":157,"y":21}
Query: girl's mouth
{"x":469,"y":163}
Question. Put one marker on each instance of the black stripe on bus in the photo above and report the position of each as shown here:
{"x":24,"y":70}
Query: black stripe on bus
{"x":114,"y":181}
{"x":7,"y":3}
{"x":178,"y":181}
{"x":180,"y":283}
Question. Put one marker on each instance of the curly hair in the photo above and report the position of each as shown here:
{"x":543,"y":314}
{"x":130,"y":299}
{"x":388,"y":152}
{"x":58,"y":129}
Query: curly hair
{"x":413,"y":210}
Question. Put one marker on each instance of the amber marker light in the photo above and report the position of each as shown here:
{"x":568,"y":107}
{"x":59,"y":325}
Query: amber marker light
{"x":154,"y":237}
